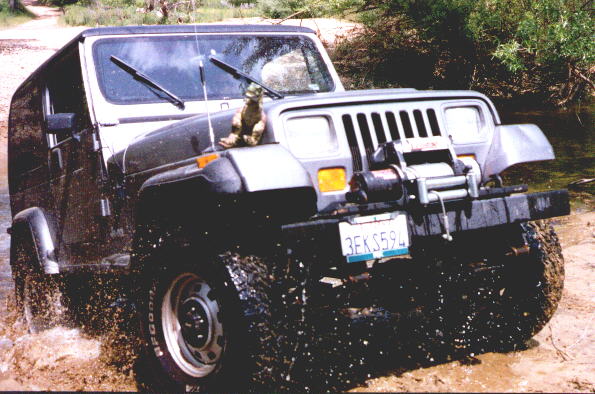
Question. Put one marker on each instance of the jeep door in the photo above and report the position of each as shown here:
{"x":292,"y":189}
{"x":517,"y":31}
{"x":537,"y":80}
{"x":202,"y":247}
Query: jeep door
{"x":73,"y":164}
{"x":27,"y":164}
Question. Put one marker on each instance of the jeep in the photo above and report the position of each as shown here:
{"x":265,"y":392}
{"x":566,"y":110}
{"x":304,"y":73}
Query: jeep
{"x":376,"y":200}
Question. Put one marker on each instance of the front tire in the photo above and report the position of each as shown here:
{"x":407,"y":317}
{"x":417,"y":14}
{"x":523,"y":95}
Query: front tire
{"x":516,"y":302}
{"x":208,"y":326}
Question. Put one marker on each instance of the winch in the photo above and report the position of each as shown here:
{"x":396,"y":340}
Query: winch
{"x":424,"y":170}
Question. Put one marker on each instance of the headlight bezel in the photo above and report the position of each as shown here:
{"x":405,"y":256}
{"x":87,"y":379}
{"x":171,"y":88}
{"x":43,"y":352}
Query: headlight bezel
{"x":311,"y":135}
{"x":465,"y":135}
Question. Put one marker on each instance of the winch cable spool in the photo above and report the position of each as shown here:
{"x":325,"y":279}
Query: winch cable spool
{"x":377,"y":185}
{"x":435,"y":182}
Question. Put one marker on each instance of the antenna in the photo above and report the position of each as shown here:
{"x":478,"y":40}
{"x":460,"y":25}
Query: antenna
{"x":203,"y":81}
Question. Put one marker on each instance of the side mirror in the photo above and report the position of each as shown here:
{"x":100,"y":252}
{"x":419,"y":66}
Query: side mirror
{"x":61,"y":124}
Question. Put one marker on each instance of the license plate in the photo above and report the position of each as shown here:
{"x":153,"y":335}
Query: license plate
{"x":374,"y":237}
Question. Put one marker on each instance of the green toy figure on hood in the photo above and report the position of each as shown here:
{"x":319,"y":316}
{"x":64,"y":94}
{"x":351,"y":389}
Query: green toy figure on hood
{"x":249,"y":122}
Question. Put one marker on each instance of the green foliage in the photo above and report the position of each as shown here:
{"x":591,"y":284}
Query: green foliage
{"x":285,"y":8}
{"x":554,"y":32}
{"x":275,"y":8}
{"x":133,"y":12}
{"x":533,"y":48}
{"x":508,"y":54}
{"x":10,"y":17}
{"x":59,"y":3}
{"x":305,"y":8}
{"x":239,"y":3}
{"x":90,"y":16}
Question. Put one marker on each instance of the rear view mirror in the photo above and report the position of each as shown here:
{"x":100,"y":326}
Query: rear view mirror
{"x":61,"y":124}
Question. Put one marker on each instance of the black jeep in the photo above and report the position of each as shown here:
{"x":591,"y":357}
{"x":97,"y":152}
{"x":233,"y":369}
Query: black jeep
{"x":358,"y":201}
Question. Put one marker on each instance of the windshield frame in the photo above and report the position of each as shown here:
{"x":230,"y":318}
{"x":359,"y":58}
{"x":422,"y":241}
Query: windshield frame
{"x":322,"y":61}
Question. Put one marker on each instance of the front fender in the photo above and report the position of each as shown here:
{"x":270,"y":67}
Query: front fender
{"x":238,"y":170}
{"x":268,"y":167}
{"x":513,"y":144}
{"x":32,"y":222}
{"x":219,"y":177}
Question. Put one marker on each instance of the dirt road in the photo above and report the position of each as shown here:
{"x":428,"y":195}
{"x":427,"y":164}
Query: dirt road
{"x":560,"y":359}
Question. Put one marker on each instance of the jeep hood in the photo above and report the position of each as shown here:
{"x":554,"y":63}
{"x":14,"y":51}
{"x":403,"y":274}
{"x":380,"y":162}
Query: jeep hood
{"x":188,"y":138}
{"x":172,"y":143}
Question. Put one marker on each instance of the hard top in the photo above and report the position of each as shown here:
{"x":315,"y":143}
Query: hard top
{"x":171,"y":29}
{"x":198,"y":28}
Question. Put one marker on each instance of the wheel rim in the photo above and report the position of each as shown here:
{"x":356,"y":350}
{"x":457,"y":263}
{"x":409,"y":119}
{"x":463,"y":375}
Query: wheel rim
{"x":191,"y":326}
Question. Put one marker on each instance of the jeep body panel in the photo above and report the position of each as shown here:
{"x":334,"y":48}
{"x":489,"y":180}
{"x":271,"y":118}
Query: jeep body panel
{"x":32,"y":222}
{"x":513,"y":144}
{"x":111,"y":116}
{"x":122,"y":153}
{"x":189,"y":137}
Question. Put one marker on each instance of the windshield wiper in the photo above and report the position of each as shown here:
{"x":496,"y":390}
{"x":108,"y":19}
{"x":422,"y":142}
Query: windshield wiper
{"x":139,"y":76}
{"x":239,"y":74}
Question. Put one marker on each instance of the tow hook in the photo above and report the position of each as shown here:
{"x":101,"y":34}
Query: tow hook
{"x":515,"y":252}
{"x":363,"y":277}
{"x":351,"y":279}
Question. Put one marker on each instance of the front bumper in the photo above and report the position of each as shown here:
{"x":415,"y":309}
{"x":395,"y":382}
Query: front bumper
{"x":319,"y":239}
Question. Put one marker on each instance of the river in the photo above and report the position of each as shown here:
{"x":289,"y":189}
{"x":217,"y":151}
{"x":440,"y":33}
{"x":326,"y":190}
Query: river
{"x":572,"y":135}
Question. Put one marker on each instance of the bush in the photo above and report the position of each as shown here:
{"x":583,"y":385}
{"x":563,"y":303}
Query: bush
{"x":533,"y":49}
{"x":128,"y":12}
{"x":90,"y":16}
{"x":303,"y":8}
{"x":10,"y":17}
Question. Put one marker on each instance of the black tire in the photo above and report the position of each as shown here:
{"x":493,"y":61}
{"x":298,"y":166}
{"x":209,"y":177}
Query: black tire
{"x":236,"y":350}
{"x":518,"y":301}
{"x":39,"y":296}
{"x":548,"y":277}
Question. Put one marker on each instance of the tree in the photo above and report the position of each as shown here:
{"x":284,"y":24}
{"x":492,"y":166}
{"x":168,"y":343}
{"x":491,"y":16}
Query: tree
{"x":540,"y":49}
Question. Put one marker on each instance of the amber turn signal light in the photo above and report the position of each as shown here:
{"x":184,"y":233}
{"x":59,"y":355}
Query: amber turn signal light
{"x":204,"y":160}
{"x":470,"y":156}
{"x":332,"y":179}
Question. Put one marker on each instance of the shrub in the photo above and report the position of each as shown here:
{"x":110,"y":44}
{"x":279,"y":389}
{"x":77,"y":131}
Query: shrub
{"x":134,"y":14}
{"x":10,"y":17}
{"x":537,"y":49}
{"x":302,"y":8}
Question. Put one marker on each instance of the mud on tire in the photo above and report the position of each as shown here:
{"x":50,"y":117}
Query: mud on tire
{"x":517,"y":302}
{"x":208,"y":327}
{"x":546,"y":256}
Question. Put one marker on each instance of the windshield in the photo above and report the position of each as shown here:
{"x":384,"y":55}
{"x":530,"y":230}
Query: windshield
{"x":288,"y":64}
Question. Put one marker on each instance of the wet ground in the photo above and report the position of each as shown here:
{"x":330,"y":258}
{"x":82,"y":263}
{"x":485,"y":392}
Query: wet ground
{"x":354,"y":356}
{"x":559,"y":359}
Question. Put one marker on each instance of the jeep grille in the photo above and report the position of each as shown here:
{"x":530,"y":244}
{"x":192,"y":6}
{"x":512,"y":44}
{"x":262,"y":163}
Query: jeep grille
{"x":366,"y":130}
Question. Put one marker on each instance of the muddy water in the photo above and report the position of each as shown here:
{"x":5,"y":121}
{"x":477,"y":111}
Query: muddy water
{"x":5,"y":275}
{"x":63,"y":358}
{"x":572,"y":135}
{"x":347,"y":354}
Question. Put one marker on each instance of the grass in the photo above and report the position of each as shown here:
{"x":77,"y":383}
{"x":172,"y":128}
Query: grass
{"x":10,"y":18}
{"x":78,"y":15}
